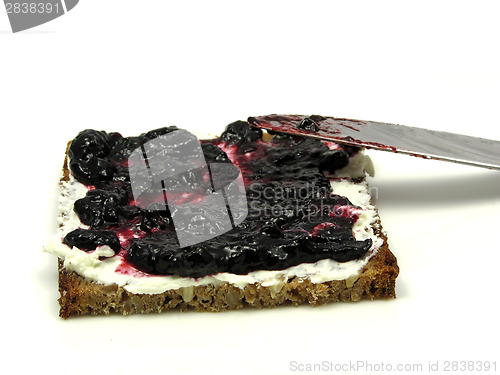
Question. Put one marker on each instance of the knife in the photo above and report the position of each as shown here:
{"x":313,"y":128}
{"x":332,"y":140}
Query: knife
{"x":428,"y":144}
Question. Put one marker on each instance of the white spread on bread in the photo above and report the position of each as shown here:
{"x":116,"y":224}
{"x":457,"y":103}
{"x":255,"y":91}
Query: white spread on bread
{"x":101,"y":266}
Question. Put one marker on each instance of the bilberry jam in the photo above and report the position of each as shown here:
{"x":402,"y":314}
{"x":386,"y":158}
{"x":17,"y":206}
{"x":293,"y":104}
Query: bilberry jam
{"x":308,"y":124}
{"x":98,"y":208}
{"x":293,"y":216}
{"x":88,"y":240}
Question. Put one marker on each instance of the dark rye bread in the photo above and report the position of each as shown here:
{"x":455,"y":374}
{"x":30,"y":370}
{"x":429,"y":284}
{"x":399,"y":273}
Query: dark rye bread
{"x":80,"y":296}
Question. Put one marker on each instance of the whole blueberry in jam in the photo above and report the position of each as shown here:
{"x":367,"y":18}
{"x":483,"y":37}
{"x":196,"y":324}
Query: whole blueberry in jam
{"x":88,"y":240}
{"x":98,"y":208}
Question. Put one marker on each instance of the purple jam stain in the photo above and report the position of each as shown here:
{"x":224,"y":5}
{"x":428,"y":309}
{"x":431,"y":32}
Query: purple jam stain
{"x":309,"y":126}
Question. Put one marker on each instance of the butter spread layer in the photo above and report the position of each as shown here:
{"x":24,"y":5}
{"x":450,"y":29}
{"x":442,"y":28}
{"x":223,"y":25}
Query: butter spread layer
{"x":102,"y":266}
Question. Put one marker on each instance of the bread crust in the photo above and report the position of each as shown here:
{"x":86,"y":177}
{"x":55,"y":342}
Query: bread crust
{"x":80,"y":296}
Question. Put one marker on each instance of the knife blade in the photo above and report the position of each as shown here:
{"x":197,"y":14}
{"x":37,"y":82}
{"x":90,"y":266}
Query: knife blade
{"x":428,"y":144}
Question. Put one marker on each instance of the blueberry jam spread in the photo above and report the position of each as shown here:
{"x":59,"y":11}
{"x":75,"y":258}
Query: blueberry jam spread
{"x":293,"y":216}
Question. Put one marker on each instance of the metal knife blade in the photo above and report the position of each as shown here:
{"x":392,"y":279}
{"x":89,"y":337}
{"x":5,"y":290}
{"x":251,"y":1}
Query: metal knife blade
{"x":429,"y":144}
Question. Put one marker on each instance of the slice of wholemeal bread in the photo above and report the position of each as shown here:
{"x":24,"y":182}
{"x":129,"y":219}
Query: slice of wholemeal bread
{"x":82,"y":295}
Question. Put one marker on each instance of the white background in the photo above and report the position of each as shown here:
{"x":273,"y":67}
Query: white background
{"x":131,"y":66}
